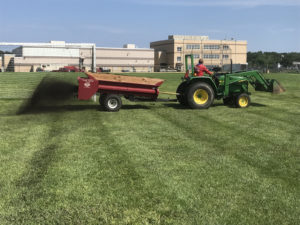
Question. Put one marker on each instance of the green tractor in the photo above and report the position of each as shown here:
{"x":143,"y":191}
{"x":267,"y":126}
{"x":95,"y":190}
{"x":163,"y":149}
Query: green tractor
{"x":200,"y":92}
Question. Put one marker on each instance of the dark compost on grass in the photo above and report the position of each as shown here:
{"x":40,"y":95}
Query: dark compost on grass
{"x":49,"y":92}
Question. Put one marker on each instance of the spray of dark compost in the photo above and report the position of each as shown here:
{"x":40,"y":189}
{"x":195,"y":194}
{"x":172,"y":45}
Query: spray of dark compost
{"x":49,"y":92}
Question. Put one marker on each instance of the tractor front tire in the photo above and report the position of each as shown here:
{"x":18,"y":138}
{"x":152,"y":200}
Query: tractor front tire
{"x":200,"y":95}
{"x":112,"y":103}
{"x":243,"y":100}
{"x":181,"y":93}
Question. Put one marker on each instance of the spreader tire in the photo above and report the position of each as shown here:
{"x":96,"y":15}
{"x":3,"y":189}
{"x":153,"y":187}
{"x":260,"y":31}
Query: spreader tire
{"x":200,"y":95}
{"x":102,"y":98}
{"x":112,"y":103}
{"x":181,"y":96}
{"x":243,"y":100}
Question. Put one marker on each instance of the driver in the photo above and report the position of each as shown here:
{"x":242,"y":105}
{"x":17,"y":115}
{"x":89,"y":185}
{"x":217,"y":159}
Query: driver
{"x":200,"y":69}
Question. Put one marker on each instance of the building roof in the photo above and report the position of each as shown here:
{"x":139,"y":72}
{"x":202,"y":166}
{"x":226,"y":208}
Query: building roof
{"x":188,"y":37}
{"x":193,"y":39}
{"x":126,"y":49}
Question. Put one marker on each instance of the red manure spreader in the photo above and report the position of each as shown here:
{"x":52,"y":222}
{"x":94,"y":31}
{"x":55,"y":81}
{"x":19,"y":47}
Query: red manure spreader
{"x":111,"y":87}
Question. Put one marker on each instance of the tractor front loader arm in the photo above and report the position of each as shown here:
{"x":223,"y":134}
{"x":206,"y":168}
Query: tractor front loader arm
{"x":259,"y":83}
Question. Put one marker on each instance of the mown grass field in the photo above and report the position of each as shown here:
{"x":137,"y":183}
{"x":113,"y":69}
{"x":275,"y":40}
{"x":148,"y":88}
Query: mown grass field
{"x":149,"y":163}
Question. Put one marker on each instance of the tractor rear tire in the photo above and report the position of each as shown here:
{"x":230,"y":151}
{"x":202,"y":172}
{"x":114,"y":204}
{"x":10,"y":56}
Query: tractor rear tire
{"x":112,"y":103}
{"x":182,"y":93}
{"x":200,"y":95}
{"x":243,"y":100}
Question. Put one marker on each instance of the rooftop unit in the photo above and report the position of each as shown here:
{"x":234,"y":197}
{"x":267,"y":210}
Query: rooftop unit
{"x":130,"y":46}
{"x":58,"y":43}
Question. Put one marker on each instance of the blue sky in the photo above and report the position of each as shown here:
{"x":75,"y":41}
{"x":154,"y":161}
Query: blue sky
{"x":267,"y":25}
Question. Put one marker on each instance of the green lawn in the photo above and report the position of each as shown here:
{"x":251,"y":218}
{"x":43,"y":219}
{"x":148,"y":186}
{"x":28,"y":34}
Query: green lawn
{"x":149,"y":163}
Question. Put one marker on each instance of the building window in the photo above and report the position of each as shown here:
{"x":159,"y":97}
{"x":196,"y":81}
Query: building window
{"x":178,"y":59}
{"x":211,"y":46}
{"x":225,"y":47}
{"x":196,"y":56}
{"x":192,"y":46}
{"x":179,"y":49}
{"x":211,"y":56}
{"x":225,"y":56}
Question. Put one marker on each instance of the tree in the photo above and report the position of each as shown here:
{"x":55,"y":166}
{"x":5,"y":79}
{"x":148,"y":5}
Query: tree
{"x":270,"y":60}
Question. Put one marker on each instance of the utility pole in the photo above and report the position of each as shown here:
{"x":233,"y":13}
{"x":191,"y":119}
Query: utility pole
{"x":94,"y":58}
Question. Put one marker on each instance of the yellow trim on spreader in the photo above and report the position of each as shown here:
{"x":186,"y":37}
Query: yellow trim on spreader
{"x":200,"y":96}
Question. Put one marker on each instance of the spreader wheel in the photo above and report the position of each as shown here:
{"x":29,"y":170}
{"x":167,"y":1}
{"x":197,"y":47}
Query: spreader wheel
{"x":112,"y":103}
{"x":102,"y":98}
{"x":243,"y":100}
{"x":200,"y":96}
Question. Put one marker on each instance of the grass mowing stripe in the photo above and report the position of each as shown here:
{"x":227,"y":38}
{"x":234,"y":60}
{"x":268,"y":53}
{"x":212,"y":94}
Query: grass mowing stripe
{"x":135,"y":145}
{"x":234,"y":131}
{"x":138,"y":149}
{"x":266,"y":179}
{"x":212,"y":179}
{"x":140,"y":202}
{"x":30,"y":184}
{"x":183,"y":208}
{"x":286,"y":117}
{"x":116,"y":160}
{"x":188,"y":156}
{"x":140,"y":199}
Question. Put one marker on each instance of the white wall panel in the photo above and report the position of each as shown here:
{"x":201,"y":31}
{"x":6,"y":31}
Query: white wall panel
{"x":52,"y":52}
